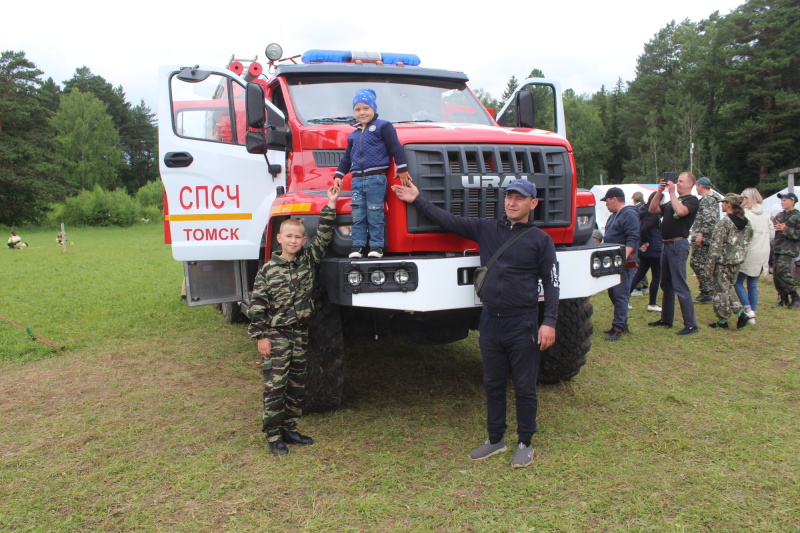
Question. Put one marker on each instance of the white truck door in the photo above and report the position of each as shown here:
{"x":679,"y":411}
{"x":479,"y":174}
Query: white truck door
{"x":547,"y":107}
{"x":218,"y":195}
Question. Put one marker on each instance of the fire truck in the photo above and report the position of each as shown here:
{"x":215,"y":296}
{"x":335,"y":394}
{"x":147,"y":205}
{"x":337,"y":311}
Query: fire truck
{"x":242,"y":149}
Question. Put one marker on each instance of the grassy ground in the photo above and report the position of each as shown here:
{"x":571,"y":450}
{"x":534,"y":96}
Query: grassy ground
{"x":149,"y":421}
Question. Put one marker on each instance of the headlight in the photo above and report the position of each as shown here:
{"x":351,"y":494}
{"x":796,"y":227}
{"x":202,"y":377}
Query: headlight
{"x":583,"y":220}
{"x":354,"y":278}
{"x":401,"y":276}
{"x":617,"y":260}
{"x":607,"y":262}
{"x":378,"y":277}
{"x":596,"y":264}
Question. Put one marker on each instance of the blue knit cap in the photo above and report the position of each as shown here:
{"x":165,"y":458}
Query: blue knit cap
{"x":366,"y":96}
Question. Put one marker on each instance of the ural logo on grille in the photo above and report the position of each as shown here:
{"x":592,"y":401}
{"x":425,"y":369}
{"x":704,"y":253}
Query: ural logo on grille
{"x":478,"y":182}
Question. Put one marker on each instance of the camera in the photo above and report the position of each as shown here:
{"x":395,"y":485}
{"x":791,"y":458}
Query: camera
{"x":668,"y":176}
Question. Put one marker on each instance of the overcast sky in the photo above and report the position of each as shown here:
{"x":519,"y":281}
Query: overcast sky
{"x":584,"y":44}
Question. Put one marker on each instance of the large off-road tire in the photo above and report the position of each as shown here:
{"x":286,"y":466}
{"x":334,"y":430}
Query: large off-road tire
{"x":325,"y":380}
{"x":563,"y":360}
{"x":232,"y":313}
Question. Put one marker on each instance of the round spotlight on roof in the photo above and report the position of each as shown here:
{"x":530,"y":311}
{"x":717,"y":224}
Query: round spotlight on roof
{"x":274,"y":51}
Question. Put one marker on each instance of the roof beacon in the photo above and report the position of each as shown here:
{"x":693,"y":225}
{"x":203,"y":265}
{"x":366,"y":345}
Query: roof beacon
{"x":344,"y":56}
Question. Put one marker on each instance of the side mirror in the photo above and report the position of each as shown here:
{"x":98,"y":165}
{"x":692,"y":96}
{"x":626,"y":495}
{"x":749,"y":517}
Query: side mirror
{"x":256,"y":113}
{"x":256,"y":142}
{"x":526,"y":111}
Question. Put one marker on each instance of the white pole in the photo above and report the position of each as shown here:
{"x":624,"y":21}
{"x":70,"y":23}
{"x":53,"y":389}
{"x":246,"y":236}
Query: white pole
{"x":63,"y":239}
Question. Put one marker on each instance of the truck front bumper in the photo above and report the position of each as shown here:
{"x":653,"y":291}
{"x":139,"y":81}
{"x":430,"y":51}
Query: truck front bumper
{"x":433,"y":283}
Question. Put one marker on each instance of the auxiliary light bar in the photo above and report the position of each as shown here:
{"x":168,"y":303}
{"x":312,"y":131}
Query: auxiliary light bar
{"x":344,"y":56}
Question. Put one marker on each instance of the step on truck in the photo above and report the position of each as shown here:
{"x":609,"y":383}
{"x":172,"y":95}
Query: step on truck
{"x":241,"y":150}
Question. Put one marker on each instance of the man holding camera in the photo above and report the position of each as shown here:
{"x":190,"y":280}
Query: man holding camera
{"x":678,"y":215}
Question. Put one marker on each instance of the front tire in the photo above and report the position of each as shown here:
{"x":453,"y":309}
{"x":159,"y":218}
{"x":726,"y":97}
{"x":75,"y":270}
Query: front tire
{"x":563,"y":360}
{"x":325,"y":380}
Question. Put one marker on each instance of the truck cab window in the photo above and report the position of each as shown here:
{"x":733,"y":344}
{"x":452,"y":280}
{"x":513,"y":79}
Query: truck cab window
{"x":203,"y":110}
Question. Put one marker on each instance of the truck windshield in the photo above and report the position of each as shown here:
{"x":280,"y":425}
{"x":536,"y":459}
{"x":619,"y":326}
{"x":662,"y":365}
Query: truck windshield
{"x":321,"y":101}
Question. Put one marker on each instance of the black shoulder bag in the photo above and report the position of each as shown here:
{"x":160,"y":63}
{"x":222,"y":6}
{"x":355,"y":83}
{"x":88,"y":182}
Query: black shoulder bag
{"x":480,"y":273}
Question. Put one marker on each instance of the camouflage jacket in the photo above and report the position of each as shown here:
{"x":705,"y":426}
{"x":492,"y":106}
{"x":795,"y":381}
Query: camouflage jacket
{"x":787,"y":242}
{"x":282,"y":289}
{"x":707,"y":218}
{"x":729,"y":242}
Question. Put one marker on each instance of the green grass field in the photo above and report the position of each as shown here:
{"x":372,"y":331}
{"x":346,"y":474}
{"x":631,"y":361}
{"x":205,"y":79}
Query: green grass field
{"x":149,"y":419}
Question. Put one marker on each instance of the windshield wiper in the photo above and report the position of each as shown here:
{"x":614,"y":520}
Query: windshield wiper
{"x":332,"y":120}
{"x":407,"y":121}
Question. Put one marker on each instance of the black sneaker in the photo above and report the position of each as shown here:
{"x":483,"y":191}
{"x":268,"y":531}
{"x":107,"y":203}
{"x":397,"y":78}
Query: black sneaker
{"x":658,"y":323}
{"x":277,"y":447}
{"x":703,"y":297}
{"x":689,"y":331}
{"x":615,"y":335}
{"x":356,"y":252}
{"x":612,"y":328}
{"x":291,"y":436}
{"x":720,"y":325}
{"x":376,"y":252}
{"x":742,"y":320}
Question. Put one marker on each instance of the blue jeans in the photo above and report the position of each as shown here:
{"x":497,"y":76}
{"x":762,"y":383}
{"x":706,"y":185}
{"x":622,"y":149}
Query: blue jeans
{"x":369,"y":192}
{"x":749,"y":298}
{"x":673,"y":283}
{"x":620,"y":295}
{"x":509,"y":346}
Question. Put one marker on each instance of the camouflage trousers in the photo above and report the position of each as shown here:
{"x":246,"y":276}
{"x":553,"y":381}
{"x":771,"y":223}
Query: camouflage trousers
{"x":725,"y":300}
{"x":284,"y":373}
{"x":782,"y":274}
{"x":699,"y":263}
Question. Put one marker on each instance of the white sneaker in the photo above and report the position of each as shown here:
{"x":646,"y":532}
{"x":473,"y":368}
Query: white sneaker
{"x":646,"y":290}
{"x":751,"y":321}
{"x":636,"y":292}
{"x":750,"y":313}
{"x":630,"y":307}
{"x":654,"y":308}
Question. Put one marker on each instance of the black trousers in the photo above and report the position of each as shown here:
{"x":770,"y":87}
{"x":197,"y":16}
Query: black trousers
{"x":509,"y":347}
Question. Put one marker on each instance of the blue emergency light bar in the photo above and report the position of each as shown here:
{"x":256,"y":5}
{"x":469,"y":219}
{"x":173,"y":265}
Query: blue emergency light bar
{"x":344,"y":56}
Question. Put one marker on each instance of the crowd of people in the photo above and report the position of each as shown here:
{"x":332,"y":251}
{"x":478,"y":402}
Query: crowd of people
{"x":729,"y":242}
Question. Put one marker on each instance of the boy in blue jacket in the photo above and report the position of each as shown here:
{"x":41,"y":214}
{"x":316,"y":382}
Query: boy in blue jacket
{"x":369,"y":149}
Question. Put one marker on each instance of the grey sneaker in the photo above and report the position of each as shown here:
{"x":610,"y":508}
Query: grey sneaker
{"x":523,"y":456}
{"x":487,"y":449}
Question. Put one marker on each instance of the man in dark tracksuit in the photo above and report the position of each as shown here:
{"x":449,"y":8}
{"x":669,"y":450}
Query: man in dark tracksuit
{"x":622,"y":227}
{"x":510,"y":337}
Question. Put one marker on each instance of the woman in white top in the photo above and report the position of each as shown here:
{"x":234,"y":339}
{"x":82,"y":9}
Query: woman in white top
{"x":757,"y":259}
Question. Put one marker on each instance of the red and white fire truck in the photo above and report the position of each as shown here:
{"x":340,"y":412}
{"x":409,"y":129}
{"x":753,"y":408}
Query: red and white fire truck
{"x":241,"y":150}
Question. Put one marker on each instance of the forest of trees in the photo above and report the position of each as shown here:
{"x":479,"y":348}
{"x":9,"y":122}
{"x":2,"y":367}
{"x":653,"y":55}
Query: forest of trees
{"x":56,"y":142}
{"x":727,"y":86}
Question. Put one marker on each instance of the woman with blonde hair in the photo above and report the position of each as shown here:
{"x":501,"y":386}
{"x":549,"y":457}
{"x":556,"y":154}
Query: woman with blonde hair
{"x":757,"y":258}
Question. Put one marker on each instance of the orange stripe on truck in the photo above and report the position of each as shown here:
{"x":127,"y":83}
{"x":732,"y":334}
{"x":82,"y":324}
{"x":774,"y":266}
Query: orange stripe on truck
{"x":213,"y":216}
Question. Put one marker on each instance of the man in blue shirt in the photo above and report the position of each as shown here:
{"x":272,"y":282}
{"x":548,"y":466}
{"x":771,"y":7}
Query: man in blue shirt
{"x":622,"y":227}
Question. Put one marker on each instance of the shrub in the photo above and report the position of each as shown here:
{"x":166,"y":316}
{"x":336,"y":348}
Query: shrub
{"x":151,"y":194}
{"x":99,"y":208}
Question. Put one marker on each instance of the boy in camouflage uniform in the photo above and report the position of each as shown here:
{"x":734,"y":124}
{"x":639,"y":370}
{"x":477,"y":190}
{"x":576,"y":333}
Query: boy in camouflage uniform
{"x":702,"y":232}
{"x":280,"y":311}
{"x":785,"y":249}
{"x":727,"y":251}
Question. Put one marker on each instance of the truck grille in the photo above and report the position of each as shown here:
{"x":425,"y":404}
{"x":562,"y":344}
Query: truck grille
{"x":469,"y":180}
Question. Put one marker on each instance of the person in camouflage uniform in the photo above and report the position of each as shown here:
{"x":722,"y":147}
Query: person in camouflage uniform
{"x":702,"y":232}
{"x":280,"y":311}
{"x":785,"y":249}
{"x":727,"y":250}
